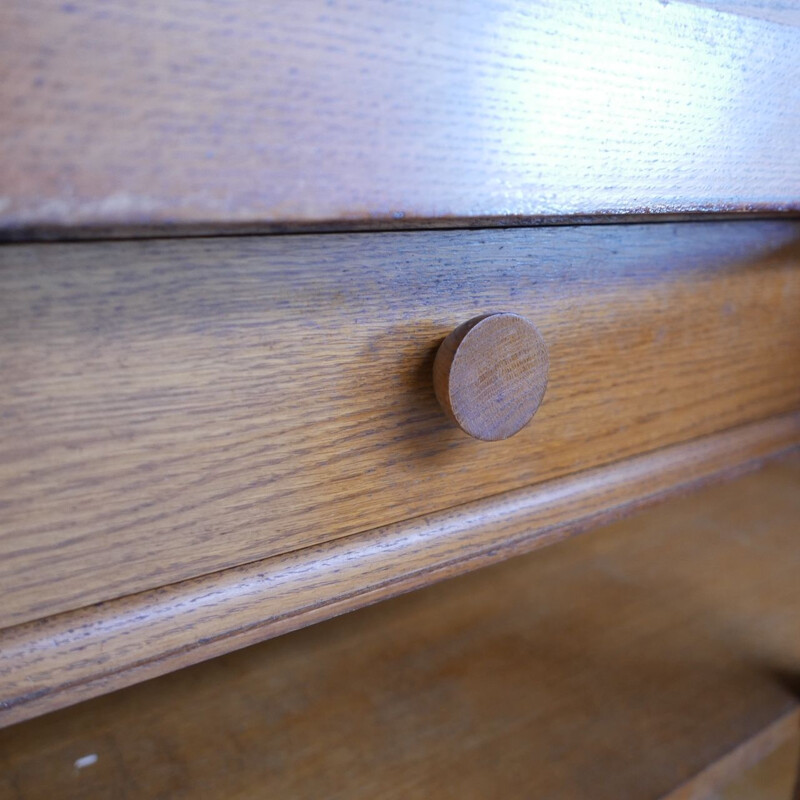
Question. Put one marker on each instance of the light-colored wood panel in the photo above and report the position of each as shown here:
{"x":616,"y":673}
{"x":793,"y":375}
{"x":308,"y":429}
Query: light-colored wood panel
{"x":621,"y":664}
{"x":172,"y":408}
{"x":51,"y":663}
{"x":140,"y":113}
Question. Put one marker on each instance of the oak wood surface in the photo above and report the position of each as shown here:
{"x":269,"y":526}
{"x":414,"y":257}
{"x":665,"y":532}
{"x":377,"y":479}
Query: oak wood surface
{"x":132,"y":114}
{"x":172,"y":408}
{"x":490,"y":375}
{"x":50,"y":663}
{"x":629,"y":663}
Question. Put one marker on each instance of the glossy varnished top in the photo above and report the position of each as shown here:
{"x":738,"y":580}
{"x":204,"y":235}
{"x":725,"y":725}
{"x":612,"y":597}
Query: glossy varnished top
{"x":183,"y":115}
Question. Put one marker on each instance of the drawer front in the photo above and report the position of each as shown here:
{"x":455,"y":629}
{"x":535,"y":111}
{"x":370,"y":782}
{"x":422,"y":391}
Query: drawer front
{"x":173,"y":408}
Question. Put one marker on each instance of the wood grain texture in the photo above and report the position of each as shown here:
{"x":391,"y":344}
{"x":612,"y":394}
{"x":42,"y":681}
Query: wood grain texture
{"x":50,"y":663}
{"x":129,"y":114}
{"x":490,"y":375}
{"x":616,"y":665}
{"x":173,"y":408}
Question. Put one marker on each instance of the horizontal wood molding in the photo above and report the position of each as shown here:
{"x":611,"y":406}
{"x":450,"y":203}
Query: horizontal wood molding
{"x":120,"y":116}
{"x":175,"y":408}
{"x":58,"y":661}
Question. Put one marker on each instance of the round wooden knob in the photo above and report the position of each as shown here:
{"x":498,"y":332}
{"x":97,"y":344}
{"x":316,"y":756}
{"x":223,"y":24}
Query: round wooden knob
{"x":490,"y":375}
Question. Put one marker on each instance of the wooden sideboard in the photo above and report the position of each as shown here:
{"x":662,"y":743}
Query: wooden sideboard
{"x":232,"y":240}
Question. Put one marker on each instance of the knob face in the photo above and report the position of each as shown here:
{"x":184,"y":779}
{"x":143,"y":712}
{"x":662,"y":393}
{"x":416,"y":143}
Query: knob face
{"x":490,"y":375}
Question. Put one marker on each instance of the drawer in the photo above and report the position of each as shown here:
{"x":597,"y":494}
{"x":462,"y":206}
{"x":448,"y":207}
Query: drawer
{"x":171,"y":409}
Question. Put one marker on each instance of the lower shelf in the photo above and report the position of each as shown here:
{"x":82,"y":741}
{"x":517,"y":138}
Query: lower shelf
{"x":657,"y":657}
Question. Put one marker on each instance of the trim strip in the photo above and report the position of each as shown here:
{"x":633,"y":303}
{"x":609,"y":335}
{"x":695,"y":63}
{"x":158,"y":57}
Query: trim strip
{"x":51,"y":663}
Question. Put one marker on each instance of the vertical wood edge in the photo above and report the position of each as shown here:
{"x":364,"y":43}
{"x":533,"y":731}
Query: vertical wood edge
{"x":745,"y":755}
